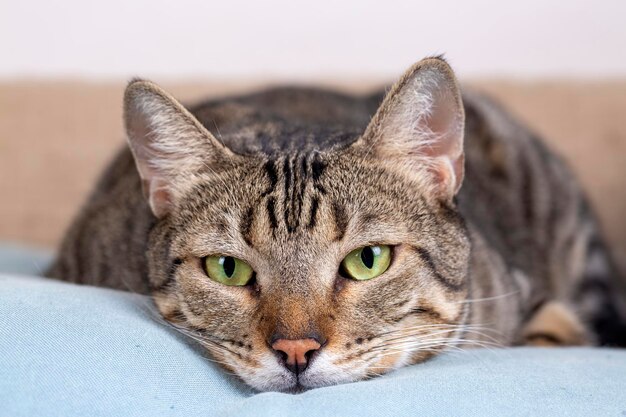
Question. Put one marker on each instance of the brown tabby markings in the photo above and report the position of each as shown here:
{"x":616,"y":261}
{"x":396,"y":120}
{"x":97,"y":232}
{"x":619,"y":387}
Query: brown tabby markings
{"x":300,"y":178}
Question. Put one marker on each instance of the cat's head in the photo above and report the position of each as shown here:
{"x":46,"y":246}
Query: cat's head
{"x":310,"y":268}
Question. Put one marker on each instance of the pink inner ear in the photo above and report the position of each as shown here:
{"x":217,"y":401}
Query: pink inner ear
{"x":444,"y":122}
{"x":160,"y":199}
{"x":154,"y":186}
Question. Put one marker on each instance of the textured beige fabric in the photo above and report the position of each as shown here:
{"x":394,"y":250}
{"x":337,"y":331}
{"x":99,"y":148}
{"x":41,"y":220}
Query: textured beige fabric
{"x":55,"y":137}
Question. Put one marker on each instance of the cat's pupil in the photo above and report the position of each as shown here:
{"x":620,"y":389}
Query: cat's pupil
{"x":229,"y":266}
{"x":367,"y":257}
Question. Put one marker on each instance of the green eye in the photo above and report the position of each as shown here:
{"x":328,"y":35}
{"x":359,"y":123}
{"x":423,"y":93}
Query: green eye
{"x":367,"y":262}
{"x":227,"y":270}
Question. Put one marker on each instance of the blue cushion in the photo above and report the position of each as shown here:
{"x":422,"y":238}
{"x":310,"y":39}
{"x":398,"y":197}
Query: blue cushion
{"x":68,"y":350}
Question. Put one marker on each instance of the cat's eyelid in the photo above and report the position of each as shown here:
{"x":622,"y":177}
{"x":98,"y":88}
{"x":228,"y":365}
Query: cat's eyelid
{"x":226,"y":255}
{"x":379,"y":242}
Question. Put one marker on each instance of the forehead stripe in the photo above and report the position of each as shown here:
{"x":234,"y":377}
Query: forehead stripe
{"x":245,"y":226}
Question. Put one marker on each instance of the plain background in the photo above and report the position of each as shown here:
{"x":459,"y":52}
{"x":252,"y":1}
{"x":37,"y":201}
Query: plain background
{"x":287,"y":39}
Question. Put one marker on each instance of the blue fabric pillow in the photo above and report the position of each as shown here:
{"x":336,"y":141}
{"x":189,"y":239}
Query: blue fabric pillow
{"x":68,"y":350}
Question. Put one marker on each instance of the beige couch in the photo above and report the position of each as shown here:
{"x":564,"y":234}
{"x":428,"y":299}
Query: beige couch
{"x":55,"y":137}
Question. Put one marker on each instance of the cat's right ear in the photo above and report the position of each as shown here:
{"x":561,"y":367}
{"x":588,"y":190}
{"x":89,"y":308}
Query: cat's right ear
{"x":168,"y":143}
{"x":419,"y":127}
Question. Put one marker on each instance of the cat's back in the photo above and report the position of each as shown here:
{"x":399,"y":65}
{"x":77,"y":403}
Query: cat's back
{"x":522,"y":197}
{"x":287,"y":119}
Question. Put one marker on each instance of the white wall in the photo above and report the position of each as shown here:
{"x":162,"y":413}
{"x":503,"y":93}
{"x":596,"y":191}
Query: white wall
{"x":281,"y":38}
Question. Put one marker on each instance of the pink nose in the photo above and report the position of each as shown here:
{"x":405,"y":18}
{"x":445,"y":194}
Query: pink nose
{"x":296,"y":352}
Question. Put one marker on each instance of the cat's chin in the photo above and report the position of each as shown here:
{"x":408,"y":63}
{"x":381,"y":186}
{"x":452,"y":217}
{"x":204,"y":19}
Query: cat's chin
{"x":321,"y":373}
{"x":298,"y":385}
{"x":285,"y":382}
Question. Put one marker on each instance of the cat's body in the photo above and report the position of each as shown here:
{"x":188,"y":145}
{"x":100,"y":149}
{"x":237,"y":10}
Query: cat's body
{"x":517,"y":258}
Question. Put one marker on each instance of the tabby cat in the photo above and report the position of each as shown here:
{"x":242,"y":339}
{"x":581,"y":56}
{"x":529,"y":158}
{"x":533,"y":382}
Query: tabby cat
{"x":308,"y":237}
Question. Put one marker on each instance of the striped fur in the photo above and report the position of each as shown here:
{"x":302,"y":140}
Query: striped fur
{"x":293,"y":179}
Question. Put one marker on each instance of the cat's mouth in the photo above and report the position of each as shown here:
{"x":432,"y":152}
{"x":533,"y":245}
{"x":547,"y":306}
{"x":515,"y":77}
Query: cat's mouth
{"x":327,"y":368}
{"x":297,"y":388}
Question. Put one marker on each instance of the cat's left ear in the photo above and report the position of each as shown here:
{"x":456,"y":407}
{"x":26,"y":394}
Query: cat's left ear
{"x":420,"y":126}
{"x":169,"y":144}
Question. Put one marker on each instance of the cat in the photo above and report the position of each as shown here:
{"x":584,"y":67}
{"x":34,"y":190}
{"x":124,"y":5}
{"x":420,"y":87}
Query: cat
{"x":308,"y":237}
